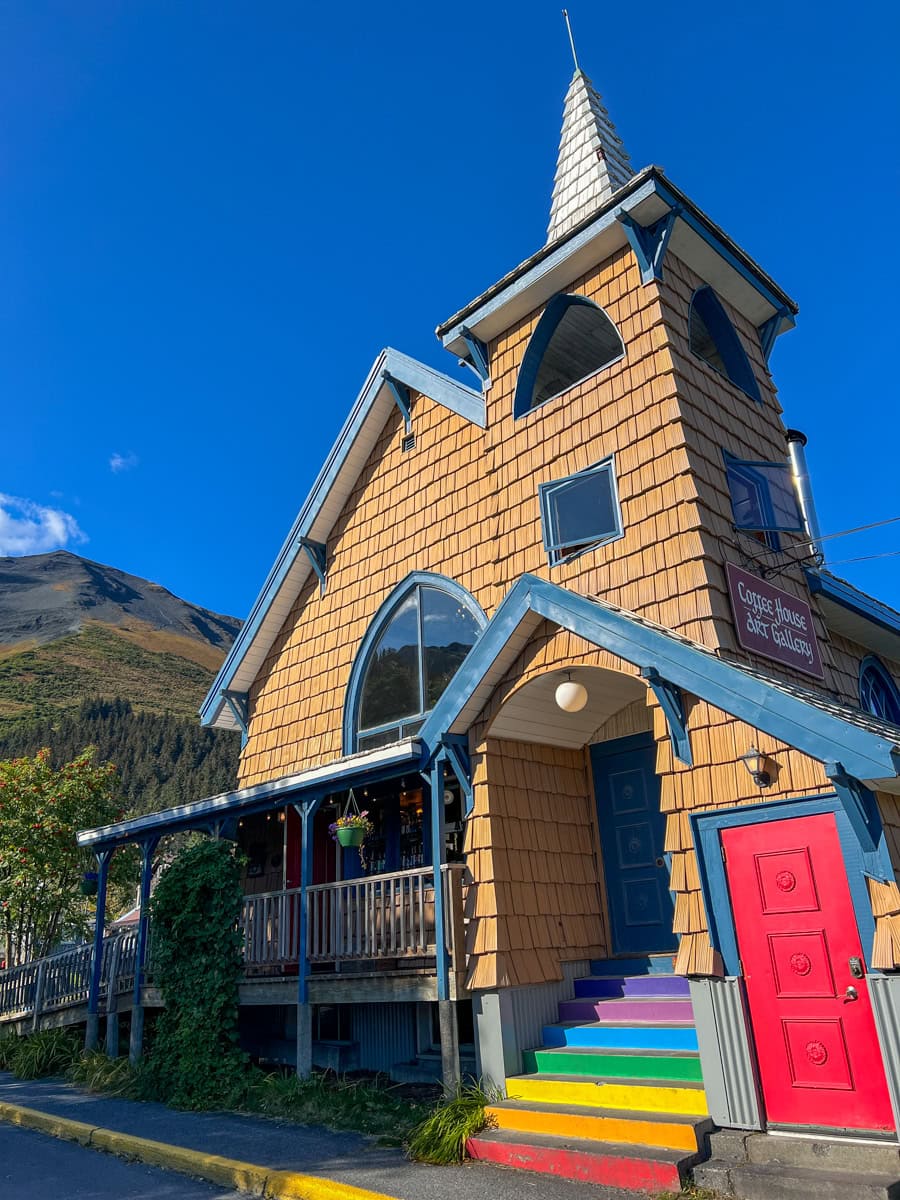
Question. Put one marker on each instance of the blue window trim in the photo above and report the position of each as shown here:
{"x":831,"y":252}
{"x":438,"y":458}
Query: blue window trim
{"x":738,"y":369}
{"x":872,"y":665}
{"x":537,"y":347}
{"x":746,"y":467}
{"x":556,"y":549}
{"x":367,"y":645}
{"x":706,"y":828}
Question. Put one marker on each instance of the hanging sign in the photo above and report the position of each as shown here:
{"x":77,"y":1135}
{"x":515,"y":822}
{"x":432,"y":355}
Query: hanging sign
{"x":772,"y":622}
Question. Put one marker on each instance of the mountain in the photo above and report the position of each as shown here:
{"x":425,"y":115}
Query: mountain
{"x":71,"y":629}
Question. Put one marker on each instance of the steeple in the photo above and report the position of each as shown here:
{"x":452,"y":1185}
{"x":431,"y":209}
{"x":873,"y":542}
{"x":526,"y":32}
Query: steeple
{"x":592,"y":162}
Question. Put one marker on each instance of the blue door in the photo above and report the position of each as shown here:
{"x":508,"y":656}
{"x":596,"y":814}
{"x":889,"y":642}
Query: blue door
{"x":632,"y":831}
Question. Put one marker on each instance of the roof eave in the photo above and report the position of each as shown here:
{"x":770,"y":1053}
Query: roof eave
{"x":292,"y":569}
{"x":646,"y":198}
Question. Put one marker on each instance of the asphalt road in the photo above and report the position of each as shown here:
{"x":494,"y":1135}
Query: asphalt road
{"x":34,"y":1166}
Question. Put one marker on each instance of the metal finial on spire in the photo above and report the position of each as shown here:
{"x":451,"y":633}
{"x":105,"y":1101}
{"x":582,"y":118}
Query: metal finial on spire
{"x":565,"y":13}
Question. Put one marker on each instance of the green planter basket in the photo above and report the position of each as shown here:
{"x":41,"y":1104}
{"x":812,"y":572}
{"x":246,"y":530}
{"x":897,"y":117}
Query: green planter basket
{"x":89,"y":884}
{"x":353,"y":835}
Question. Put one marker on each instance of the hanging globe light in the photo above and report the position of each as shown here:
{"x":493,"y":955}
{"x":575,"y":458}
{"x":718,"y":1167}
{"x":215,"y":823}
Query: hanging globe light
{"x":571,"y":696}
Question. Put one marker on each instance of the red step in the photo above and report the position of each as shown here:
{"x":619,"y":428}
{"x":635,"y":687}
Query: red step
{"x":633,"y":1168}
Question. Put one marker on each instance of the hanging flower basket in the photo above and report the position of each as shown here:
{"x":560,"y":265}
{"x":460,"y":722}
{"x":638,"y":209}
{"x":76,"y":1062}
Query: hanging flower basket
{"x":351,"y":835}
{"x":88,"y":885}
{"x":352,"y":827}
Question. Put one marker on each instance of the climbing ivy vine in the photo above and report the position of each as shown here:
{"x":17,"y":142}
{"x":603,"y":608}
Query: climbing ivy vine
{"x":195,"y":1061}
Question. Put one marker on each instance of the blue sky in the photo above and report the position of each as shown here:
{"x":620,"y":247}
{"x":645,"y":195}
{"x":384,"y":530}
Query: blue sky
{"x":215,"y":214}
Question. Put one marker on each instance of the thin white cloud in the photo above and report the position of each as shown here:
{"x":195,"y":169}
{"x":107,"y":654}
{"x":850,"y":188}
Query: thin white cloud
{"x":122,"y":462}
{"x":29,"y":528}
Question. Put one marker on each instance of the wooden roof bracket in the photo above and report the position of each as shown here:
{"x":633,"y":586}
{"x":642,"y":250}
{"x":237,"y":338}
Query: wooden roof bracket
{"x":671,"y":702}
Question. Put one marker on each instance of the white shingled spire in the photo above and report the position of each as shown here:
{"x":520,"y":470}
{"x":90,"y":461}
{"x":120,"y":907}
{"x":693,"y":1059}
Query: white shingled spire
{"x":592,"y":162}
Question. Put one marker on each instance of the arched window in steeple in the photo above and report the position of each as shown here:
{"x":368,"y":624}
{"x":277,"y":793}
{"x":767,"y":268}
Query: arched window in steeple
{"x":878,"y":693}
{"x":413,"y":648}
{"x":573,"y":340}
{"x":714,"y":339}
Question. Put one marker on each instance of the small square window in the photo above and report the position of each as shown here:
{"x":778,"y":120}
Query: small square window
{"x":580,"y":512}
{"x":763,"y":499}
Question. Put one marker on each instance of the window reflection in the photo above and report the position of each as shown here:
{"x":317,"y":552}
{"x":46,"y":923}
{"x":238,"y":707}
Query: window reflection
{"x":425,"y":640}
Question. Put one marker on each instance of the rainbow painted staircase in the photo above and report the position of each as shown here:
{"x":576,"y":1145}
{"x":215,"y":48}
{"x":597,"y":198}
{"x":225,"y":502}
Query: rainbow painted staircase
{"x":614,"y":1095}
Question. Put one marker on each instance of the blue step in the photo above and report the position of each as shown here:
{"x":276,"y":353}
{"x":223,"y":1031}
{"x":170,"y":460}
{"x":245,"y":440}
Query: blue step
{"x":590,"y":1036}
{"x":641,"y":964}
{"x":633,"y":986}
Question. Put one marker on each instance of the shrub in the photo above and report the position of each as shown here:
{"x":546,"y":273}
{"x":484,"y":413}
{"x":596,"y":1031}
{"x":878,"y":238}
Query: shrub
{"x":49,"y":1052}
{"x":8,"y":1045}
{"x":441,"y":1138}
{"x":98,"y":1073}
{"x":195,"y":1061}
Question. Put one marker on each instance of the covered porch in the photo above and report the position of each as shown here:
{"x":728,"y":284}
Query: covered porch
{"x":343,"y":928}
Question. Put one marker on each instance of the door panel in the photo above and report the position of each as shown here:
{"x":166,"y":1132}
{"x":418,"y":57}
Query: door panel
{"x":632,"y":831}
{"x":818,"y":1051}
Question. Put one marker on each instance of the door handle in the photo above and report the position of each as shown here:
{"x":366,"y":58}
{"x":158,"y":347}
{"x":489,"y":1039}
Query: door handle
{"x":851,"y":993}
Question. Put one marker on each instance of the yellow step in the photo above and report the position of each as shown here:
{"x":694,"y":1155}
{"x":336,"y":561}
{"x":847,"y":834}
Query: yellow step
{"x":603,"y":1126}
{"x":616,"y":1094}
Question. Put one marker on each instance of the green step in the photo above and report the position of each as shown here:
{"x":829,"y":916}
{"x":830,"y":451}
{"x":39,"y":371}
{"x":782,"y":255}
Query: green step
{"x":673,"y":1064}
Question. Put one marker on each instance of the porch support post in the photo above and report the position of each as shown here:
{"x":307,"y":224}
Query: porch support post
{"x":446,"y":1008}
{"x":92,"y":1032}
{"x":136,"y":1040}
{"x":306,"y":810}
{"x":112,"y":999}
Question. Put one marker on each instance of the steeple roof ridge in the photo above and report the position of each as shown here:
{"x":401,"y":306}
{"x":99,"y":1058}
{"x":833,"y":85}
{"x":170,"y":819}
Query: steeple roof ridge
{"x":592,"y":162}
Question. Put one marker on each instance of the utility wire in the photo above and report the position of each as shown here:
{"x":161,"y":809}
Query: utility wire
{"x":865,"y":558}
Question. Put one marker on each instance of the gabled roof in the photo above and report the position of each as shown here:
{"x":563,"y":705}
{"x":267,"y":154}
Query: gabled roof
{"x":592,"y":162}
{"x":321,"y":510}
{"x":646,"y":199}
{"x":868,"y":749}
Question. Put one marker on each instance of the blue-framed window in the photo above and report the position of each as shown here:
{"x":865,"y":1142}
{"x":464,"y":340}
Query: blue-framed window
{"x":580,"y":512}
{"x":714,"y":339}
{"x":878,"y":694}
{"x":419,"y":638}
{"x":763,"y":498}
{"x":573,"y":340}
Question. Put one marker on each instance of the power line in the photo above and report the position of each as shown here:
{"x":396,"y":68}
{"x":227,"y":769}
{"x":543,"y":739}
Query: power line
{"x":865,"y":558}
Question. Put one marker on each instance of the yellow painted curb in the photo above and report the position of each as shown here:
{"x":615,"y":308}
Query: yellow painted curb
{"x":227,"y":1172}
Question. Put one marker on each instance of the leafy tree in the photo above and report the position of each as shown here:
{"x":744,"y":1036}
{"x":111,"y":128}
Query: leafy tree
{"x":41,"y":865}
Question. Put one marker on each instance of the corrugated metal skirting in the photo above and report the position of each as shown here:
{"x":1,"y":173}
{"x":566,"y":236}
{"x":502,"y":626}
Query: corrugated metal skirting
{"x":885,"y":993}
{"x":386,"y":1034}
{"x":536,"y":1006}
{"x":726,"y":1056}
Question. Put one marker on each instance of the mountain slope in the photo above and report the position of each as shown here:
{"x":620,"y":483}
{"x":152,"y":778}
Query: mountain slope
{"x":71,"y":629}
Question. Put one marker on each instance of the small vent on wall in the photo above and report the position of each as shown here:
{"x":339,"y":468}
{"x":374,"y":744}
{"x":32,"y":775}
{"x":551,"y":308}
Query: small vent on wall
{"x":409,"y":441}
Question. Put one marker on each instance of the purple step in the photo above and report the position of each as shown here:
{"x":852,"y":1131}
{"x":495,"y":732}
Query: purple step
{"x":651,"y":1008}
{"x":632,"y":986}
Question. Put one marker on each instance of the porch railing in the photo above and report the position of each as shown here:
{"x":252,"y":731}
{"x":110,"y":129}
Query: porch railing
{"x":62,"y":980}
{"x":378,"y":917}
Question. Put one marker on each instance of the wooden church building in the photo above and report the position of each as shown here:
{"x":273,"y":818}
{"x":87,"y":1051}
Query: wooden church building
{"x":629,"y":751}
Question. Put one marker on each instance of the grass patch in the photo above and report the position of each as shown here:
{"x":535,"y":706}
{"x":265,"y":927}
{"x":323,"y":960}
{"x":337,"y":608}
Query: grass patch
{"x":98,"y":1073}
{"x":50,"y":1052}
{"x":369,"y":1105}
{"x":441,"y":1137}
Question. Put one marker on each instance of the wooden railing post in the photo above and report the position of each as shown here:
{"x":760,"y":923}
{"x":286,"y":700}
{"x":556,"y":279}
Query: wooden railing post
{"x":92,"y":1032}
{"x":39,"y":993}
{"x":112,"y":999}
{"x":136,"y":1033}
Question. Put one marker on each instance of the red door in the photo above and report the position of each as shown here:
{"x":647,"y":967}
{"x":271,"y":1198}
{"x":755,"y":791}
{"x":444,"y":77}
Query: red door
{"x":812,"y":1020}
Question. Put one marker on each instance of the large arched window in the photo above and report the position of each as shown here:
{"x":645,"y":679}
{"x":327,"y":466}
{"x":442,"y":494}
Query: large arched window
{"x":412,"y":650}
{"x":715,"y":340}
{"x":878,"y":693}
{"x":573,"y":340}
